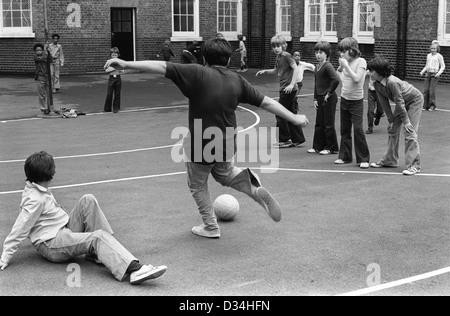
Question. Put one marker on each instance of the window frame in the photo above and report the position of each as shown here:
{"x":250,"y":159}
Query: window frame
{"x":286,"y":34}
{"x":314,"y":36}
{"x":17,"y":32}
{"x":178,"y":36}
{"x":363,"y":37}
{"x":231,"y":35}
{"x":442,"y":37}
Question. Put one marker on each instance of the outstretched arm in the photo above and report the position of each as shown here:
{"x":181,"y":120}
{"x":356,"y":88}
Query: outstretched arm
{"x":276,"y":108}
{"x":153,"y":66}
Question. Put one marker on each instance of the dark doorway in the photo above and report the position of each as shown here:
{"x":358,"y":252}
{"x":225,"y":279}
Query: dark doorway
{"x":122,"y":32}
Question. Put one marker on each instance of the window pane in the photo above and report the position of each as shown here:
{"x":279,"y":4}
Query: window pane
{"x":176,"y":24}
{"x":7,"y":22}
{"x":116,"y":27}
{"x":190,"y":26}
{"x":190,"y":6}
{"x":16,"y":4}
{"x":176,"y":6}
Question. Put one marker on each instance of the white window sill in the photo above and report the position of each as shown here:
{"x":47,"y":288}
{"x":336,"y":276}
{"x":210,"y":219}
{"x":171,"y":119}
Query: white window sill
{"x":444,"y":42}
{"x":17,"y":35}
{"x":314,"y":39}
{"x":186,"y":38}
{"x":365,"y":40}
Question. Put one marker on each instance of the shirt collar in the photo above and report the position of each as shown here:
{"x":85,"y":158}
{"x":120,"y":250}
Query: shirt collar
{"x":384,"y":81}
{"x":37,"y":186}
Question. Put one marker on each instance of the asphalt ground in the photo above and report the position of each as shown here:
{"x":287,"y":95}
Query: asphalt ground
{"x":344,"y":230}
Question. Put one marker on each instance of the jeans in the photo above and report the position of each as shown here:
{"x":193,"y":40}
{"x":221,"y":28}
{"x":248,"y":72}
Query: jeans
{"x":44,"y":94}
{"x":375,"y":110}
{"x":324,"y":131}
{"x":352,"y":115}
{"x":113,"y":94}
{"x":287,"y":130}
{"x":88,"y":232}
{"x":429,"y":92}
{"x":224,"y":173}
{"x":412,"y":150}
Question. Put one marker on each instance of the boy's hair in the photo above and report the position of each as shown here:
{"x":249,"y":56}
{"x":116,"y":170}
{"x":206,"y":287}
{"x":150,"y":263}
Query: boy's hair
{"x":39,"y":167}
{"x":438,"y":47}
{"x":350,"y":44}
{"x":323,"y":46}
{"x":296,"y":51}
{"x":217,"y":51}
{"x":114,"y":50}
{"x":240,"y":37}
{"x":278,"y":40}
{"x":381,"y":66}
{"x":55,"y":35}
{"x":38,"y":45}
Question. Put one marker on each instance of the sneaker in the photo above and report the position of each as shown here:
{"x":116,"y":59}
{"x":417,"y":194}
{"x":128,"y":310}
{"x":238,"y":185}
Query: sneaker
{"x":312,"y":151}
{"x":147,"y":272}
{"x":326,"y":152}
{"x":364,"y":165}
{"x":268,"y":202}
{"x":340,"y":162}
{"x":201,"y":231}
{"x":376,"y":164}
{"x":432,"y":108}
{"x":370,"y":131}
{"x":92,"y":257}
{"x":283,"y":144}
{"x":295,"y":145}
{"x":411,"y":171}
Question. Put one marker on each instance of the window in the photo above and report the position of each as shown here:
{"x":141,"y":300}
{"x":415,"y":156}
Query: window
{"x":229,"y":18}
{"x":366,"y":17}
{"x":185,"y":20}
{"x":283,"y":18}
{"x":444,"y":23}
{"x":320,"y":20}
{"x":16,"y":18}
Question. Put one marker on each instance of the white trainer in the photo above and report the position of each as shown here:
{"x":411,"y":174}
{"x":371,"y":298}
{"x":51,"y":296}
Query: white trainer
{"x":146,"y":272}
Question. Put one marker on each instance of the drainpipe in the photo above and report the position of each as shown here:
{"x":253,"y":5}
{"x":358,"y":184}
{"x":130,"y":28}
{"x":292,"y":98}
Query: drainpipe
{"x":405,"y":36}
{"x":249,"y":28}
{"x":263,"y":34}
{"x":402,"y":37}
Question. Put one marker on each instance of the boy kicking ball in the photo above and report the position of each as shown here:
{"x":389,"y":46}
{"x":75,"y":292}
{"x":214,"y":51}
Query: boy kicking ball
{"x":60,"y":236}
{"x":214,"y":93}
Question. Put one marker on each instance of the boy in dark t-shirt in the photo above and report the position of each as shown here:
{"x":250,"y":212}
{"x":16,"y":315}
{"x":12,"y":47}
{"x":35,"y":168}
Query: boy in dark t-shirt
{"x":214,"y":92}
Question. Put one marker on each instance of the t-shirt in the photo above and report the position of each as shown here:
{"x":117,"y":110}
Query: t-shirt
{"x":284,"y":64}
{"x":352,"y":90}
{"x":214,"y":94}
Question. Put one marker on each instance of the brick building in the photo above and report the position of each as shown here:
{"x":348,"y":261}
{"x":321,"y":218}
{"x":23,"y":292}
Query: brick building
{"x":401,"y":30}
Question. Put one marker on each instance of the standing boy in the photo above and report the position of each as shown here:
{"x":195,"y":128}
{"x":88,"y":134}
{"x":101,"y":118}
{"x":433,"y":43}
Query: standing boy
{"x":42,"y":78}
{"x":214,"y":93}
{"x":290,"y":135}
{"x":114,"y":87}
{"x":407,"y":111}
{"x":60,"y":236}
{"x":57,"y":57}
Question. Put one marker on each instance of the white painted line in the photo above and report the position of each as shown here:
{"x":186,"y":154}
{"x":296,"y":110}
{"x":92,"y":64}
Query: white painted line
{"x":389,"y":285}
{"x":258,"y":120}
{"x":103,"y":182}
{"x":353,"y":172}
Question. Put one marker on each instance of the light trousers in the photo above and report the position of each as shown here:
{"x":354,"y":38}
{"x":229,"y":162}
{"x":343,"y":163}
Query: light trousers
{"x":412,"y":149}
{"x":88,"y":232}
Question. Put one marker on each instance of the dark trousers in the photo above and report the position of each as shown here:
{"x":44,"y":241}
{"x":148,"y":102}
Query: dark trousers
{"x":375,"y":110}
{"x":325,"y":131}
{"x":352,"y":113}
{"x":287,"y":130}
{"x":113,"y":94}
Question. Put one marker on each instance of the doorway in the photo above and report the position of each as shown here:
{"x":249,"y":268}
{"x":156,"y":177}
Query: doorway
{"x":122,"y":32}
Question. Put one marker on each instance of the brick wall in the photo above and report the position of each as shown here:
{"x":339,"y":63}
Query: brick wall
{"x":86,"y":48}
